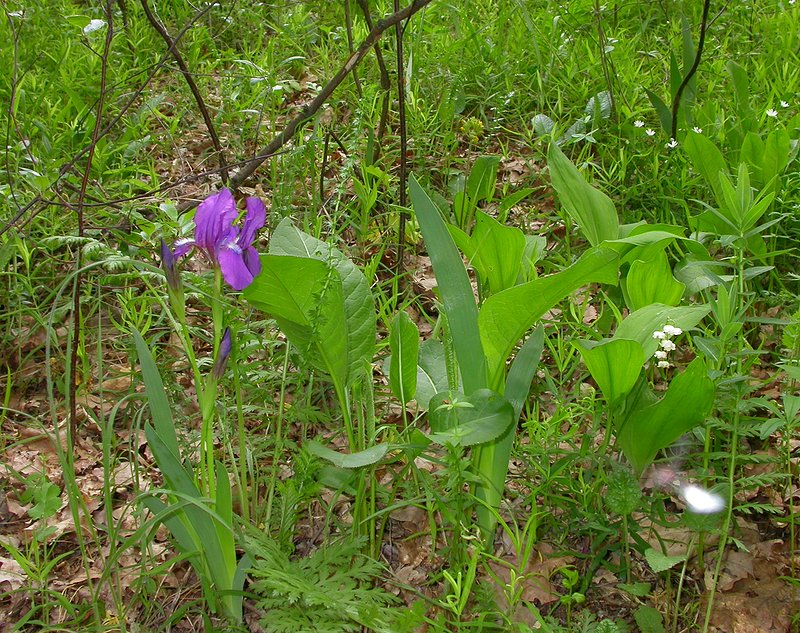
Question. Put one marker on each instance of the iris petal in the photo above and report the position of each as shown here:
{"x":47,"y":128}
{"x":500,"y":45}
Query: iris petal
{"x":254,"y":220}
{"x":252,"y":260}
{"x":213,"y":220}
{"x":182,"y":247}
{"x":234,"y":270}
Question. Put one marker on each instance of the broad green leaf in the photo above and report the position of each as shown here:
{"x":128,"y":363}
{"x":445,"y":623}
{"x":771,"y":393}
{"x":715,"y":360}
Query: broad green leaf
{"x":535,"y":246}
{"x":752,"y":153}
{"x":648,"y":429}
{"x":649,"y":619}
{"x":661,"y":562}
{"x":707,"y":160}
{"x":367,"y":457}
{"x":454,"y":287}
{"x":675,"y":76}
{"x":508,"y":315}
{"x":663,"y":112}
{"x":590,"y":208}
{"x":776,"y":154}
{"x":404,"y":344}
{"x":623,"y":494}
{"x":640,"y":325}
{"x":741,"y":86}
{"x":482,"y":179}
{"x":359,"y":304}
{"x":498,"y":252}
{"x":305,"y":297}
{"x":431,"y":371}
{"x":463,"y":420}
{"x":698,"y":274}
{"x":201,"y":525}
{"x":495,"y":251}
{"x":614,"y":364}
{"x":652,"y":282}
{"x":223,"y":504}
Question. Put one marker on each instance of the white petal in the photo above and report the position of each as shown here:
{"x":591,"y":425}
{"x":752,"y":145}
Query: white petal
{"x":701,"y":501}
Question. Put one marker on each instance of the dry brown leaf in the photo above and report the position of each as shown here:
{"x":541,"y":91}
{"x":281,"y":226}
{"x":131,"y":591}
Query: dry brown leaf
{"x":538,"y":587}
{"x":738,"y":565}
{"x":12,"y":576}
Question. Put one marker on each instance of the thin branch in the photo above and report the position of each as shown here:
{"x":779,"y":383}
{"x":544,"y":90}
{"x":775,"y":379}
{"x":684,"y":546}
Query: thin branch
{"x":386,"y":81}
{"x":348,"y":22}
{"x":76,"y":307}
{"x":172,"y":48}
{"x":401,"y":106}
{"x":39,"y":200}
{"x":676,"y":102}
{"x":311,"y":109}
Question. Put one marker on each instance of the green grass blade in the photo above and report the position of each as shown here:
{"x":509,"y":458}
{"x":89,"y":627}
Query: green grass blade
{"x":156,"y":396}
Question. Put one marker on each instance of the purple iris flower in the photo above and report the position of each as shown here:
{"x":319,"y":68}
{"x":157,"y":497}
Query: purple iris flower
{"x":227,"y":246}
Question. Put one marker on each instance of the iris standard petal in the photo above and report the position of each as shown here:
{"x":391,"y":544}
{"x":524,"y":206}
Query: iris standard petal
{"x":254,"y":219}
{"x":252,"y":260}
{"x":213,"y":220}
{"x":234,"y":270}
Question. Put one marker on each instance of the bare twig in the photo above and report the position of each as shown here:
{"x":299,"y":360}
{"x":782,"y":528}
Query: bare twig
{"x":676,"y":102}
{"x":79,"y":207}
{"x":311,"y":109}
{"x":386,"y":81}
{"x":39,"y":200}
{"x":173,"y":49}
{"x":401,"y":107}
{"x":348,"y":22}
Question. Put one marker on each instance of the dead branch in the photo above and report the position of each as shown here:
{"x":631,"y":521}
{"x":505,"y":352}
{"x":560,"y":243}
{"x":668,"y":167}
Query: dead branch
{"x":312,"y":108}
{"x":172,"y":48}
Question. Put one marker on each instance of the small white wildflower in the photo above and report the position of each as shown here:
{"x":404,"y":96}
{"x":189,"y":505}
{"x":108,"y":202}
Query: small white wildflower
{"x":660,"y":354}
{"x":701,"y":501}
{"x":784,"y":104}
{"x":663,"y":364}
{"x":650,"y":132}
{"x":638,"y":123}
{"x":697,"y":130}
{"x":672,"y":144}
{"x":667,"y":345}
{"x":659,"y":335}
{"x":772,"y":113}
{"x":671,"y":330}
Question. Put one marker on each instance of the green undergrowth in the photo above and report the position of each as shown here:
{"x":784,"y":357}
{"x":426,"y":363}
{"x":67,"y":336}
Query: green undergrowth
{"x":486,"y":437}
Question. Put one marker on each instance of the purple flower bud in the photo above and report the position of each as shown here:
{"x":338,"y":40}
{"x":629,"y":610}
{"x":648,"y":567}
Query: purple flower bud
{"x":168,"y":264}
{"x":221,"y":361}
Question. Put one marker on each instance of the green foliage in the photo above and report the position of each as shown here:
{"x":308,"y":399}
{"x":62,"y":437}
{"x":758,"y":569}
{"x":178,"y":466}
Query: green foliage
{"x":461,"y":420}
{"x":43,"y":494}
{"x":202,"y":531}
{"x":320,"y":299}
{"x":404,"y":345}
{"x":649,"y":620}
{"x":503,"y":320}
{"x":588,"y":207}
{"x":643,"y":422}
{"x":623,"y":495}
{"x":328,"y":591}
